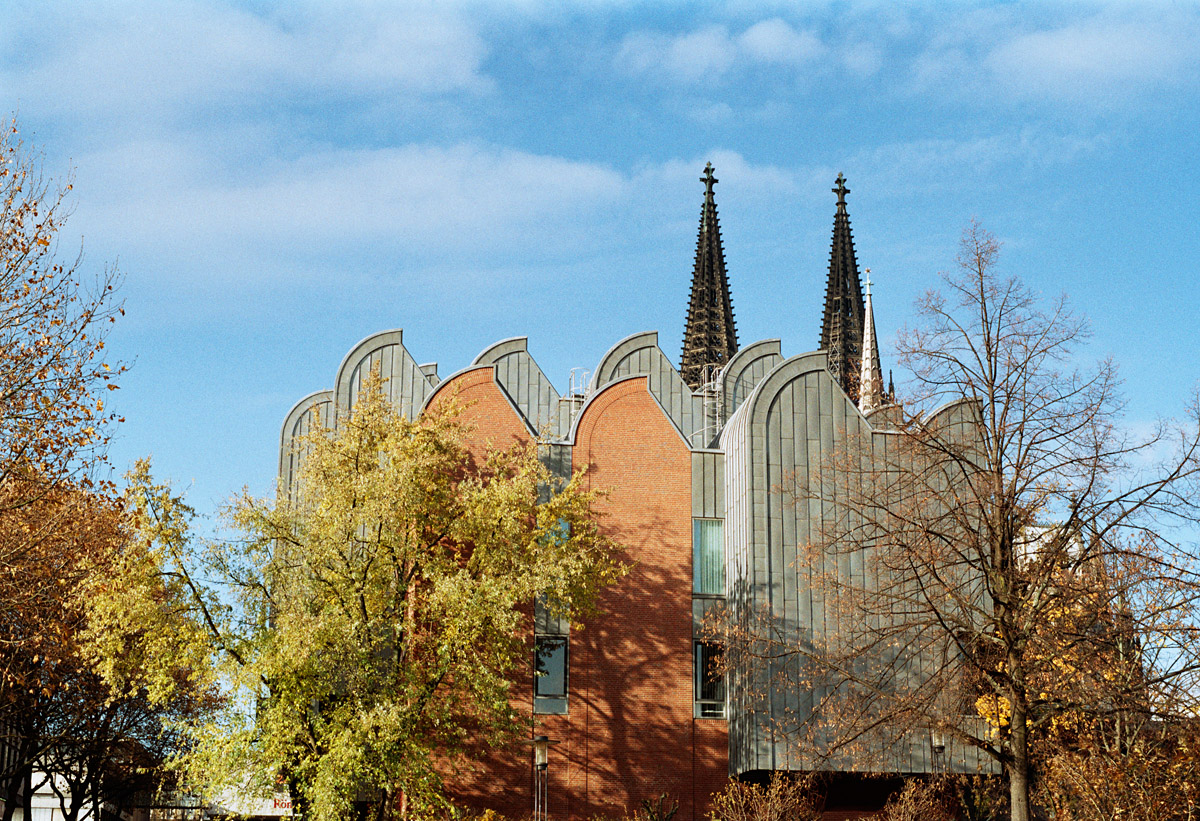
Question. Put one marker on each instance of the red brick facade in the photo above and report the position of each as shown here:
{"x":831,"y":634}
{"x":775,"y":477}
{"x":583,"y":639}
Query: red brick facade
{"x":629,"y":733}
{"x":494,"y":422}
{"x":499,"y":779}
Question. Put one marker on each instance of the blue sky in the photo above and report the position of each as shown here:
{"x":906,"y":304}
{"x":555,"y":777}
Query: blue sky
{"x":278,"y":182}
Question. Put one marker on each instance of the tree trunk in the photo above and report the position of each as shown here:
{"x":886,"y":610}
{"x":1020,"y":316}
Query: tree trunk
{"x":14,"y":798}
{"x":12,"y":792}
{"x":27,"y":802}
{"x":20,"y":785}
{"x":299,"y":803}
{"x":1018,"y":766}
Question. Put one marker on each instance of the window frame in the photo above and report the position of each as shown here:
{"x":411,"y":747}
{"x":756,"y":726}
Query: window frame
{"x":697,"y":563}
{"x":556,"y":703}
{"x":705,"y":654}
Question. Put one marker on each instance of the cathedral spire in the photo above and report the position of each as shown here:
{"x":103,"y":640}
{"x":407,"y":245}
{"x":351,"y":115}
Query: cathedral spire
{"x":870,"y":379}
{"x":710,"y":337}
{"x":842,"y":324}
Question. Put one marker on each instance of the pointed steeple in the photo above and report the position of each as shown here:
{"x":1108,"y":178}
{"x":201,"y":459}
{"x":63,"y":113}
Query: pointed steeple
{"x":842,"y":324}
{"x":870,"y":378}
{"x":710,"y":337}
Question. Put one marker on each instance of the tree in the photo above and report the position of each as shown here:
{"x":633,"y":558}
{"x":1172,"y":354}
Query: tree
{"x":53,"y":323}
{"x":1155,"y":777}
{"x":780,"y":799}
{"x":383,"y":606}
{"x":64,"y":531}
{"x":63,"y":719}
{"x":53,"y":423}
{"x":1024,"y":553}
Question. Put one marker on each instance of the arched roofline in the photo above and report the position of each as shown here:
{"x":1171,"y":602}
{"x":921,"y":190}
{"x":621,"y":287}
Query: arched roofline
{"x":293,"y":416}
{"x":469,"y":369}
{"x":395,"y":336}
{"x":877,"y":417}
{"x":634,"y":342}
{"x":937,"y":415}
{"x":571,"y":439}
{"x":748,"y":355}
{"x":492,"y":353}
{"x":787,"y":370}
{"x":741,"y":362}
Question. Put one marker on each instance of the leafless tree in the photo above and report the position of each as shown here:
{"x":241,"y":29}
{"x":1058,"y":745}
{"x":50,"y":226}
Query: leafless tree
{"x":1025,"y":570}
{"x":780,"y":799}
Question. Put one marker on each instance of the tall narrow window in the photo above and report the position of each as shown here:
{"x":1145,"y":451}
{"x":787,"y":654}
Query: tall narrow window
{"x":550,"y":674}
{"x":709,"y":680}
{"x":708,"y":557}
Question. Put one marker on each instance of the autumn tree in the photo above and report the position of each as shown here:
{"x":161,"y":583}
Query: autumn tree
{"x":53,"y":321}
{"x":84,"y":710}
{"x":383,"y":605}
{"x":1026,"y":562}
{"x":782,"y":798}
{"x":65,"y":529}
{"x":87,"y":697}
{"x":53,"y":429}
{"x":53,"y":382}
{"x":1155,"y":777}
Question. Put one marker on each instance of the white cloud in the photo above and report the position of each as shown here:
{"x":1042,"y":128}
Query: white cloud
{"x":424,"y":206}
{"x":108,"y":61}
{"x":1099,"y":57}
{"x":688,"y":58}
{"x":708,"y":113}
{"x":710,"y":53}
{"x":863,"y":59}
{"x":774,"y":41}
{"x":750,"y":179}
{"x":1104,"y":60}
{"x":160,"y":200}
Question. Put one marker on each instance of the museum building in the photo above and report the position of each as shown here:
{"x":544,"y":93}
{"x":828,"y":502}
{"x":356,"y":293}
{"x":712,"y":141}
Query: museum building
{"x":691,"y":460}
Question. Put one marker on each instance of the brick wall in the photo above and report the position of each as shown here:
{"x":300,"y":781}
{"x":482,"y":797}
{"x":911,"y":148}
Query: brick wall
{"x":629,"y":733}
{"x":635,"y":663}
{"x":500,"y":779}
{"x":493,"y":421}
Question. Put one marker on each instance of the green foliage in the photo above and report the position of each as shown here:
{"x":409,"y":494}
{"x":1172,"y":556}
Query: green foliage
{"x":144,"y":629}
{"x":383,"y":605}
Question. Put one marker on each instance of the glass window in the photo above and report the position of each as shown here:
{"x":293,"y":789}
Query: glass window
{"x":550,"y":674}
{"x":709,"y":680}
{"x":708,"y":557}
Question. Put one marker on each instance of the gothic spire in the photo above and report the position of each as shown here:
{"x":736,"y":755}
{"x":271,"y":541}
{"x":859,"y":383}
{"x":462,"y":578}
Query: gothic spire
{"x":710,"y":337}
{"x":842,"y":324}
{"x":870,"y":379}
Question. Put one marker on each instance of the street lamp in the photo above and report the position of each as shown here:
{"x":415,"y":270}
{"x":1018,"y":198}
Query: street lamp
{"x":541,"y":761}
{"x":937,"y":743}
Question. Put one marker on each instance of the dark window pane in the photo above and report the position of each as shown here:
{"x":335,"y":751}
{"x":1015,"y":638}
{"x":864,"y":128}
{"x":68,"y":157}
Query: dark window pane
{"x":550,"y":665}
{"x":710,"y":682}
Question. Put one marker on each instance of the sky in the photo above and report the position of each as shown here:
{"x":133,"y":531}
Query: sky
{"x":277,"y":181}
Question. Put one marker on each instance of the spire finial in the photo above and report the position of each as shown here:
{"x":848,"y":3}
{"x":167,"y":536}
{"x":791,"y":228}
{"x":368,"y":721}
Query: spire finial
{"x":710,"y":336}
{"x":841,"y":191}
{"x":842,"y":323}
{"x":870,"y":380}
{"x":709,"y":180}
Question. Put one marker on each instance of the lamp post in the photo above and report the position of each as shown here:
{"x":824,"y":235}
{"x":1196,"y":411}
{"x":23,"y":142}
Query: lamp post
{"x":937,"y":743}
{"x":541,"y":761}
